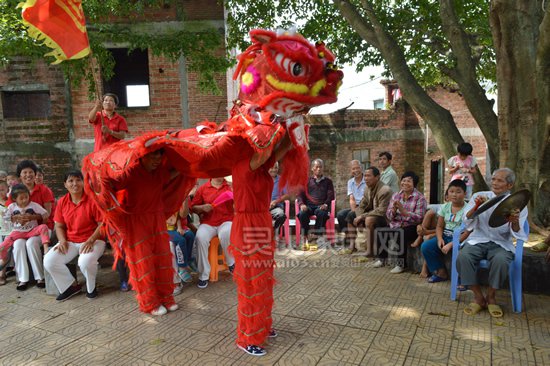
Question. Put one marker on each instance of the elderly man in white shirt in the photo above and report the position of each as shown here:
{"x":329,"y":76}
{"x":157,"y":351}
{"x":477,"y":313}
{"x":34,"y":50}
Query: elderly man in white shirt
{"x":493,"y":244}
{"x":355,"y":192}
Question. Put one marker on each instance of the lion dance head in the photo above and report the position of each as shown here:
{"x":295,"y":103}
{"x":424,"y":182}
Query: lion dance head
{"x":283,"y":73}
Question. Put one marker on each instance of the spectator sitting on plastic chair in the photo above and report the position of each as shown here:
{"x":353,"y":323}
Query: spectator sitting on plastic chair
{"x":278,"y":196}
{"x":316,"y":201}
{"x":215,"y":220}
{"x":183,"y":239}
{"x":493,"y":244}
{"x":356,"y":190}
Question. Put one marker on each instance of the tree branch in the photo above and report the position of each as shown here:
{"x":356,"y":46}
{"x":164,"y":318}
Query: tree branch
{"x":466,"y":78}
{"x":357,"y":22}
{"x":438,"y":118}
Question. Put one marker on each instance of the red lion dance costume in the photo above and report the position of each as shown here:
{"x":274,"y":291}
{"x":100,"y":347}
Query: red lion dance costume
{"x":282,"y":76}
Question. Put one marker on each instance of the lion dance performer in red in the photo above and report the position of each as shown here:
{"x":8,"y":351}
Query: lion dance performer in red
{"x":282,"y":77}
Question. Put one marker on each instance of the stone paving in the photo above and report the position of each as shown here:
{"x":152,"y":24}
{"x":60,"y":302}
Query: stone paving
{"x":328,"y":311}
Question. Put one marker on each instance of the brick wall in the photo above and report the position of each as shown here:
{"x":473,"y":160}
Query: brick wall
{"x":59,"y":141}
{"x":398,"y":130}
{"x":335,"y":137}
{"x":453,"y":101}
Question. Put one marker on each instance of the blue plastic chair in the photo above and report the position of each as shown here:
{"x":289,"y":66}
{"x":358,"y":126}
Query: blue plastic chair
{"x":515,"y":274}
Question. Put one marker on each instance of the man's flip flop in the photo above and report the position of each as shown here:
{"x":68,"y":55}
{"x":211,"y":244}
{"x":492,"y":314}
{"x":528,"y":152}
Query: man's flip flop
{"x":436,"y":278}
{"x":473,"y":308}
{"x":495,"y":311}
{"x":462,"y":288}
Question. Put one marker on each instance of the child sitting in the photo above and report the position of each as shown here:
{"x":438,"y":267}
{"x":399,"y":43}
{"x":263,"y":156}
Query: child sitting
{"x":12,"y":180}
{"x":183,"y":238}
{"x":4,"y":226}
{"x":462,"y":166}
{"x":449,"y":218}
{"x":3,"y":199}
{"x":24,"y":214}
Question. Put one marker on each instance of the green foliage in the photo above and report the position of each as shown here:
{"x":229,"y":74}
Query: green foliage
{"x":14,"y":40}
{"x":201,"y":47}
{"x":414,"y":24}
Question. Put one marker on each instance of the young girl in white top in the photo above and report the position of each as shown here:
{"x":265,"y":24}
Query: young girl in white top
{"x":23,"y":213}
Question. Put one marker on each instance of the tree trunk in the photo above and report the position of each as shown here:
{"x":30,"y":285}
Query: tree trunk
{"x":514,"y":25}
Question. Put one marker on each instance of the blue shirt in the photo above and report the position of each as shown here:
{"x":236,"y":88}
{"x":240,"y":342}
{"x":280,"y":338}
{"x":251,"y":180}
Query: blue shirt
{"x":275,"y":194}
{"x":357,"y":190}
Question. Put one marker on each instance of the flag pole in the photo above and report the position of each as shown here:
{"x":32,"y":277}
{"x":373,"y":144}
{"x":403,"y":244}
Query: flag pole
{"x":94,"y":69}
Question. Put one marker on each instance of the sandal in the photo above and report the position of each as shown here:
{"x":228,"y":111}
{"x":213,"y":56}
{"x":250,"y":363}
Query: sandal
{"x":462,"y":288}
{"x":436,"y":278}
{"x":2,"y":280}
{"x":22,"y":286}
{"x":495,"y":310}
{"x":473,"y":308}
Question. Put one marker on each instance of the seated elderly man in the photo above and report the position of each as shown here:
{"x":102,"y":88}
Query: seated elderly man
{"x":493,"y":244}
{"x":278,"y":197}
{"x":371,"y":212}
{"x":356,"y":189}
{"x":77,"y":224}
{"x":316,"y":201}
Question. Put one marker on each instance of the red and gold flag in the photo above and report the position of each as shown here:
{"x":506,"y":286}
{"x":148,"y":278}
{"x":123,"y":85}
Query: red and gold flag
{"x":60,"y":24}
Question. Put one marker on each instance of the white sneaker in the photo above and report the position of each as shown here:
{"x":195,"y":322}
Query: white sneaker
{"x":173,"y":307}
{"x":397,"y":269}
{"x":378,"y":264}
{"x":178,"y":289}
{"x":161,"y":310}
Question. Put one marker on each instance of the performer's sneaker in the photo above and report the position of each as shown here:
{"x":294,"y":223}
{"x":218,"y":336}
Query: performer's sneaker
{"x":161,"y":310}
{"x":202,"y":284}
{"x":253,"y":350}
{"x":272,"y":334}
{"x":172,"y":307}
{"x":70,"y":292}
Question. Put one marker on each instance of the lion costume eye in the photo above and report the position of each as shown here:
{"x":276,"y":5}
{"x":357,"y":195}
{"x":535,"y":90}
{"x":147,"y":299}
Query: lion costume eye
{"x":290,"y":66}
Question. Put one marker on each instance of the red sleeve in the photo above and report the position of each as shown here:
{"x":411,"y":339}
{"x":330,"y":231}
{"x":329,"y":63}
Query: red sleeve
{"x":58,"y":216}
{"x":96,"y":119}
{"x":122,"y":125}
{"x":197,"y":199}
{"x":47,"y":195}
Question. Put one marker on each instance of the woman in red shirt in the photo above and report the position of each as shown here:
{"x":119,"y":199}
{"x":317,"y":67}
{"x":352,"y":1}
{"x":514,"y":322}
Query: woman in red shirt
{"x":31,"y":248}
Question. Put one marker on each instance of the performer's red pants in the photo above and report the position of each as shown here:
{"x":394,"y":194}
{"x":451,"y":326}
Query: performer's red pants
{"x":253,"y":249}
{"x":148,"y":255}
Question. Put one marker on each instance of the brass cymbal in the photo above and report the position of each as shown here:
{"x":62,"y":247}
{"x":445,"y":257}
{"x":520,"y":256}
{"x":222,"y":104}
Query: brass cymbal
{"x":487,"y":205}
{"x":517,"y":200}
